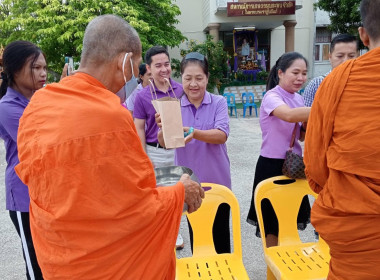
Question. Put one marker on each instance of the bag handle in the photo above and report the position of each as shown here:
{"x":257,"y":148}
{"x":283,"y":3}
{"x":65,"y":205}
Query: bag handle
{"x":293,"y":137}
{"x":170,"y":86}
{"x":153,"y":90}
{"x":151,"y":87}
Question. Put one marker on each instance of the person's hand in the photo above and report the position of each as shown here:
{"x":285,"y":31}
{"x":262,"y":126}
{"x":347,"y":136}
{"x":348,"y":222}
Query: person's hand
{"x":303,"y":131}
{"x":193,"y":193}
{"x":158,"y":120}
{"x":190,"y":136}
{"x":67,"y":68}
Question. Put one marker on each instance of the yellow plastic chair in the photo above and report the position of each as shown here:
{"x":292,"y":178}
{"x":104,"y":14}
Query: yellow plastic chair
{"x":291,"y":259}
{"x":205,"y":262}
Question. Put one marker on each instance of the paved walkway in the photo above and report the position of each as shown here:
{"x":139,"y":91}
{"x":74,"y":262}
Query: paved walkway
{"x":243,"y":149}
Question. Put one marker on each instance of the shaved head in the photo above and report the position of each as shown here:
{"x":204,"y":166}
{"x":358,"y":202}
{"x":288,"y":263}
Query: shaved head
{"x":106,"y":37}
{"x":370,"y":11}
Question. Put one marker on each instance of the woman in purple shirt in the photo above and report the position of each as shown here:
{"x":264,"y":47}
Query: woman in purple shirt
{"x":280,"y":109}
{"x":205,"y":151}
{"x":24,"y":73}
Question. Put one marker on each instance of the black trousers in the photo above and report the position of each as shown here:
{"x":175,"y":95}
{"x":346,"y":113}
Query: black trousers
{"x":220,"y":230}
{"x":267,"y":168}
{"x":21,"y":223}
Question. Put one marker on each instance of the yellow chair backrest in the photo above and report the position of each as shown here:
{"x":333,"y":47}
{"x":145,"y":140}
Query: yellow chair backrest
{"x":203,"y":219}
{"x":206,"y":264}
{"x":285,"y":196}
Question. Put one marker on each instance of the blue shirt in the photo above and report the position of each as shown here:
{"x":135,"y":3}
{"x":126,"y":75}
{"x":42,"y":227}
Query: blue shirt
{"x":12,"y":106}
{"x":312,"y":88}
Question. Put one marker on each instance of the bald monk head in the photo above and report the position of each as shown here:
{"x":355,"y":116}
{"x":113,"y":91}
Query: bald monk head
{"x":370,"y":32}
{"x":107,"y":39}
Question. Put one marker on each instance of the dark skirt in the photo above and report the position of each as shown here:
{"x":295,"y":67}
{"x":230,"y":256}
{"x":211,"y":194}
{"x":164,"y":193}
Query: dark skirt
{"x":267,"y":168}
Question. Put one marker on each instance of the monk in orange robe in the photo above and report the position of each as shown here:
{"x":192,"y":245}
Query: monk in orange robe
{"x":342,"y":158}
{"x":95,"y":211}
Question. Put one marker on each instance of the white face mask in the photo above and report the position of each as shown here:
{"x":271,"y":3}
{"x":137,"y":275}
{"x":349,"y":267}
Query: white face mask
{"x":130,"y":85}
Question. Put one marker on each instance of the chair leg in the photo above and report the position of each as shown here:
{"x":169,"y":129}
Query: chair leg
{"x":270,"y":275}
{"x":244,"y":111}
{"x":256,"y":111}
{"x":230,"y":111}
{"x":250,"y":110}
{"x":235,"y":112}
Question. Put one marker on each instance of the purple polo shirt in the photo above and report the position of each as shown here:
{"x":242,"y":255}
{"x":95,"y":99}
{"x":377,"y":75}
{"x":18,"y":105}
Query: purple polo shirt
{"x":209,"y":162}
{"x":276,"y":133}
{"x":12,"y":106}
{"x":144,"y":109}
{"x":130,"y":102}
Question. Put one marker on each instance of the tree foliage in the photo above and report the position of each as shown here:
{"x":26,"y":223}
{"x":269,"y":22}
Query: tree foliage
{"x":344,"y":15}
{"x":58,"y":28}
{"x":216,"y":56}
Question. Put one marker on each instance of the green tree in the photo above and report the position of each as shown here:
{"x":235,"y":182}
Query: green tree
{"x":59,"y":28}
{"x":216,"y":56}
{"x":344,"y":15}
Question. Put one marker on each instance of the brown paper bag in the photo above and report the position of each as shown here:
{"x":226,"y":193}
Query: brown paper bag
{"x":169,"y":109}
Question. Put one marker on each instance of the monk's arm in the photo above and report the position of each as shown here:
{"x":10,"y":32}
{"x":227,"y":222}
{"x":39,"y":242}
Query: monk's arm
{"x":140,"y":127}
{"x":315,"y":159}
{"x":285,"y":113}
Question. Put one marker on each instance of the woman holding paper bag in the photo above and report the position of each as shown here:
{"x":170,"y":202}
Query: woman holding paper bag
{"x":205,"y":119}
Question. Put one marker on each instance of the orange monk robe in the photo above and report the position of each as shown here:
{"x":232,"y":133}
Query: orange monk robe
{"x":95,"y":211}
{"x":342,"y":158}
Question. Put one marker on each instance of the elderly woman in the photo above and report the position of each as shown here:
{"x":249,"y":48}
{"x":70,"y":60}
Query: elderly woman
{"x":205,"y":117}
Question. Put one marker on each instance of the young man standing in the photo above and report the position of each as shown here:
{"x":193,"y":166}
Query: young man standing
{"x":158,"y":63}
{"x":343,"y":47}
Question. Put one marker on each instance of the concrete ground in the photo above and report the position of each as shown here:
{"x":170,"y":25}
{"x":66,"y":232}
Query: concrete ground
{"x":243,"y":149}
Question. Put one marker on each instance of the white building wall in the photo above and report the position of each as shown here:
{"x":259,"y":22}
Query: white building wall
{"x":322,"y":19}
{"x":197,"y":14}
{"x":191,"y":26}
{"x":304,"y":35}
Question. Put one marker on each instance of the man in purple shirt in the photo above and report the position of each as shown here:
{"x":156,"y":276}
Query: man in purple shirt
{"x":158,"y":62}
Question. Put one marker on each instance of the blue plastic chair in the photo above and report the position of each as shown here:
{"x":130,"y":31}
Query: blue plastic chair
{"x":248,"y":100}
{"x":301,"y":91}
{"x":264,"y":92}
{"x":230,"y":97}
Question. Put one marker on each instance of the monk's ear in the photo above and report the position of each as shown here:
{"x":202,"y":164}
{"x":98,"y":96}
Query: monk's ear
{"x":120,"y":60}
{"x":364,"y":36}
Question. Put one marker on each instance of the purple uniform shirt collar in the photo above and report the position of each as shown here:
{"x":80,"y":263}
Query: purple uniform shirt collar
{"x":173,"y":85}
{"x":13,"y":94}
{"x":206,"y":99}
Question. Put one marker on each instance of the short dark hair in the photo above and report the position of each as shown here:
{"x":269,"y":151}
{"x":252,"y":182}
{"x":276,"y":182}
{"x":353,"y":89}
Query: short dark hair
{"x":198,"y":59}
{"x":142,"y":69}
{"x":283,"y":63}
{"x":343,"y":38}
{"x":154,"y":51}
{"x":15,"y":56}
{"x":370,"y":11}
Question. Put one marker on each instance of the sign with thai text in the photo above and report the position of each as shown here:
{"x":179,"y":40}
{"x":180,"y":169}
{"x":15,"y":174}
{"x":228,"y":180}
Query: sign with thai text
{"x":264,"y":8}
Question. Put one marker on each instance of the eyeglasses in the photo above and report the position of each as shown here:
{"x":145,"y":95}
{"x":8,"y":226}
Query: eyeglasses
{"x":195,"y":55}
